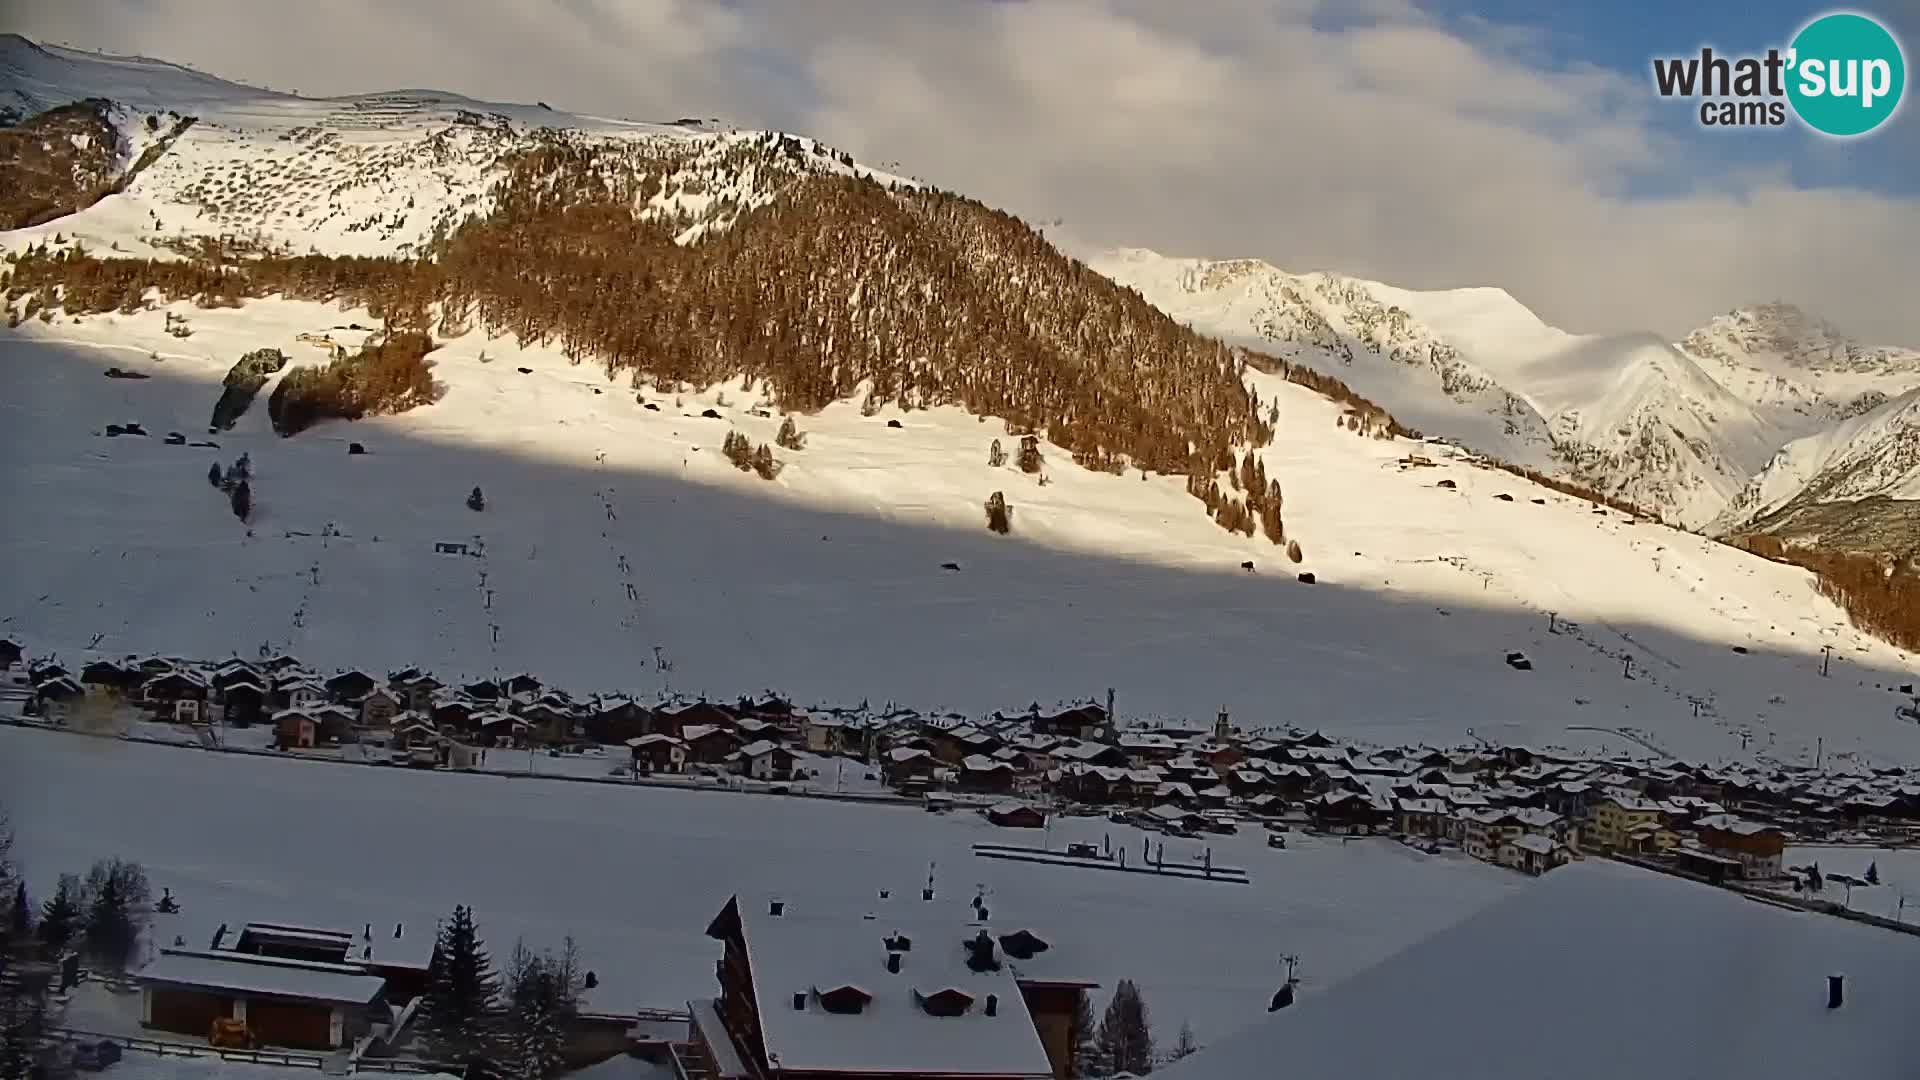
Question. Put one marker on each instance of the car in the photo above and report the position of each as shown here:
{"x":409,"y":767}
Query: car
{"x":1277,"y":841}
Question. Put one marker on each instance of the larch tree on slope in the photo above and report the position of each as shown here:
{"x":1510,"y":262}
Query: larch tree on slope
{"x":460,"y":1011}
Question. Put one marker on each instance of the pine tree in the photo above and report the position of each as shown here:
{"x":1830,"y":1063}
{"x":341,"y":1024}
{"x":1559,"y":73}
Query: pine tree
{"x":242,"y":500}
{"x":1087,"y":1061}
{"x":213,"y":474}
{"x":476,"y":501}
{"x":20,"y":919}
{"x":460,"y":1010}
{"x":60,"y":916}
{"x":117,"y":889}
{"x":1872,"y":878}
{"x":996,"y":455}
{"x":1125,"y":1039}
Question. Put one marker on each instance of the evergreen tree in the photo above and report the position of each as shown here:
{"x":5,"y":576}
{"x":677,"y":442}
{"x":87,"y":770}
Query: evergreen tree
{"x":20,"y":919}
{"x":1087,"y":1061}
{"x":112,"y":932}
{"x":117,"y":890}
{"x":460,"y":1010}
{"x":1872,"y":878}
{"x":475,"y":500}
{"x":996,"y":455}
{"x":1125,"y":1039}
{"x":60,"y":916}
{"x":242,"y":500}
{"x":213,"y":474}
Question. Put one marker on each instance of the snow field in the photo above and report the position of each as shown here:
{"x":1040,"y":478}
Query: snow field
{"x":826,"y":584}
{"x":635,"y":874}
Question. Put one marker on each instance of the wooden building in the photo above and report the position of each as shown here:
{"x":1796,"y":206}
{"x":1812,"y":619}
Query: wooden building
{"x":244,"y":703}
{"x":301,"y":1004}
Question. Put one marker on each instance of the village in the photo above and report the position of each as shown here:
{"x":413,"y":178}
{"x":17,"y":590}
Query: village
{"x":1525,"y":808}
{"x":980,"y":993}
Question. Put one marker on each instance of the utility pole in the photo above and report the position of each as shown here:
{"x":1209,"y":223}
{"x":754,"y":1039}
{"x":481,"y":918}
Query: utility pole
{"x":1819,"y":751}
{"x":1553,"y":622}
{"x":1826,"y":659}
{"x":1626,"y":671}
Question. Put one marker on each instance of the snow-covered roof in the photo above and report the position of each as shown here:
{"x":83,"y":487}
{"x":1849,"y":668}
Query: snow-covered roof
{"x":652,"y":738}
{"x":1697,"y":981}
{"x":1539,"y":845}
{"x":1739,"y":826}
{"x":338,"y":983}
{"x":793,"y":954}
{"x":759,"y":748}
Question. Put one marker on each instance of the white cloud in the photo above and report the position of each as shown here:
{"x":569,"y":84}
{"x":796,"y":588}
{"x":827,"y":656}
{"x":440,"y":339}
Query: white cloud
{"x":1365,"y":138}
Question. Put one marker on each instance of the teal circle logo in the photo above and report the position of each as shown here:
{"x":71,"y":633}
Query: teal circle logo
{"x":1847,"y":74}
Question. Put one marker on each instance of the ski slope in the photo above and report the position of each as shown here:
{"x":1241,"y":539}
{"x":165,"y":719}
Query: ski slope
{"x":828,"y":583}
{"x":635,"y":875}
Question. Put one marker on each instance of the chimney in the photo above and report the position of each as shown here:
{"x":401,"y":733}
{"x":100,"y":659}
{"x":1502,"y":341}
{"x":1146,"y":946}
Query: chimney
{"x":800,"y":1002}
{"x":893,"y":963}
{"x":1836,"y":992}
{"x":776,"y":908}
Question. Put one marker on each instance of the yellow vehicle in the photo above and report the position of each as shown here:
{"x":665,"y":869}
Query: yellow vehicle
{"x":231,"y":1034}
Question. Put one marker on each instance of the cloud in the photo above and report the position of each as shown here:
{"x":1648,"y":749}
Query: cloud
{"x":1368,"y":138}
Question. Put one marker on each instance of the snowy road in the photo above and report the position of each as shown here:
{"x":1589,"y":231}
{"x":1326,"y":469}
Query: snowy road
{"x":635,"y":874}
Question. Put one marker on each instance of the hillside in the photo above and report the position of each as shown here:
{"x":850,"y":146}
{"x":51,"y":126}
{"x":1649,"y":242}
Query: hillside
{"x":596,"y":288}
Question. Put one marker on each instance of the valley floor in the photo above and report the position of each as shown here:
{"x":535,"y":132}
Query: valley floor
{"x":636,"y":873}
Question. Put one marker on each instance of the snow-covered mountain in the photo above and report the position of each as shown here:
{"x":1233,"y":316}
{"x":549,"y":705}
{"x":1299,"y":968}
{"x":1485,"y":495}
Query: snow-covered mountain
{"x":1865,"y":467}
{"x":1680,"y":430}
{"x":1800,"y":372}
{"x":621,"y":549}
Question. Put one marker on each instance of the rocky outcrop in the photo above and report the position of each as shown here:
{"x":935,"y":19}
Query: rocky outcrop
{"x":243,"y":381}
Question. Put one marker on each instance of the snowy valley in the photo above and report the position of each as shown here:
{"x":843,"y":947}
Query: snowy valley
{"x":828,"y":583}
{"x":1236,"y":630}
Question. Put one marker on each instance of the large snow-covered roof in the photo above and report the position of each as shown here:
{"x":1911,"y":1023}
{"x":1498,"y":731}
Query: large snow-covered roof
{"x":258,"y":975}
{"x":797,"y":954}
{"x":1601,"y":971}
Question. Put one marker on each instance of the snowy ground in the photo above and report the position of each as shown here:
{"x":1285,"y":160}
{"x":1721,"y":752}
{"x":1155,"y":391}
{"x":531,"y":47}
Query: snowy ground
{"x":827,"y":584}
{"x":635,"y":874}
{"x":1899,"y":878}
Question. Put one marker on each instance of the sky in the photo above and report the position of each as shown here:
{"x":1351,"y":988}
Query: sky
{"x":1425,"y":143}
